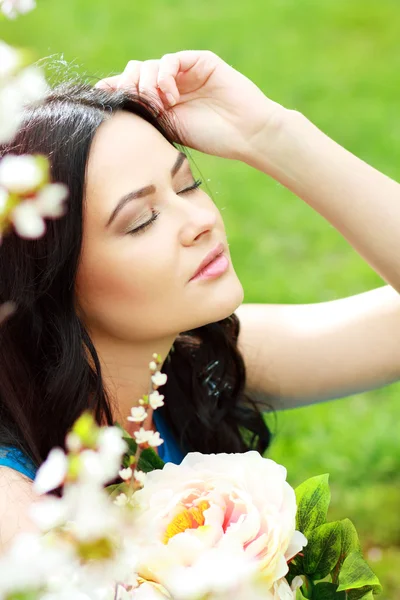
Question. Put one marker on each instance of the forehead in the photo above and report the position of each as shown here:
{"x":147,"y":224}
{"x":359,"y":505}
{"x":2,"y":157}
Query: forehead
{"x":126,"y":153}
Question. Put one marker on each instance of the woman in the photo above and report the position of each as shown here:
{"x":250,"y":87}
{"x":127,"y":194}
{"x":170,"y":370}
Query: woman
{"x":141,"y":257}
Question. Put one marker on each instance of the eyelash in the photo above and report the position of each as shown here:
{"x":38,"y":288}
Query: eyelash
{"x":155,"y":213}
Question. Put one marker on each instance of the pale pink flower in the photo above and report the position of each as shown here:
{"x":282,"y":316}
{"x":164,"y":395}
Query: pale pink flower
{"x":217,"y":504}
{"x":150,"y":591}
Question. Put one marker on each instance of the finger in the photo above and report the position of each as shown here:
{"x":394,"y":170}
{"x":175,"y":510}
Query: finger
{"x":108,"y":83}
{"x":148,"y":76}
{"x":168,"y":71}
{"x":129,"y":78}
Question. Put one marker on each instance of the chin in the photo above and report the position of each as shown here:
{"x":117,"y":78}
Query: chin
{"x":222,"y":301}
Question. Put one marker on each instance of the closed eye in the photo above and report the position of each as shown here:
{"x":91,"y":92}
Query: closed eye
{"x":195,"y":185}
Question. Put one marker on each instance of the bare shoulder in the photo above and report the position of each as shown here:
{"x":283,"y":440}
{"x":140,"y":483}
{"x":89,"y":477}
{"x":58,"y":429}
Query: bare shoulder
{"x":16,"y":496}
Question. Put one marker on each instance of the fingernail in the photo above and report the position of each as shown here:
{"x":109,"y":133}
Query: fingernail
{"x":171,"y":99}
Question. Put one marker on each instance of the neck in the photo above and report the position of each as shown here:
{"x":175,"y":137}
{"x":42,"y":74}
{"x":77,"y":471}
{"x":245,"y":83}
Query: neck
{"x":126,"y":374}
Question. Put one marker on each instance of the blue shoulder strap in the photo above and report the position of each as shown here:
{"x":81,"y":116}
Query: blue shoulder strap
{"x":15,"y":459}
{"x":169,"y":451}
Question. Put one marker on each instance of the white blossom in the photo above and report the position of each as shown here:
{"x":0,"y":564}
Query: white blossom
{"x":138,"y":414}
{"x":11,"y":8}
{"x":125,"y":473}
{"x":21,"y":174}
{"x":140,"y":476}
{"x":73,"y":442}
{"x":49,"y":512}
{"x":156,"y":400}
{"x":155,"y":439}
{"x":10,"y":112}
{"x":50,"y":200}
{"x":152,"y":366}
{"x":27,"y":221}
{"x":121,"y":499}
{"x":26,"y":87}
{"x":31,"y":85}
{"x":10,"y":60}
{"x":31,"y":563}
{"x":3,"y":199}
{"x":159,"y":379}
{"x":52,"y":472}
{"x":142,"y":436}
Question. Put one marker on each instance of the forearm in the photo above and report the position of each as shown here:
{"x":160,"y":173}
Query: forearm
{"x":359,"y":201}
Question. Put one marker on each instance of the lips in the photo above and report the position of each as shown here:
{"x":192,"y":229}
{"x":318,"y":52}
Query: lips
{"x":212,"y":255}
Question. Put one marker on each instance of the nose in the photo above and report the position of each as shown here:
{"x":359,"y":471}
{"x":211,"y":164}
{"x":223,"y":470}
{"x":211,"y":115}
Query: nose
{"x":197,"y":223}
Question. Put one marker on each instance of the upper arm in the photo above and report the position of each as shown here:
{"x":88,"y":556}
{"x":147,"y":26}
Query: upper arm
{"x":16,"y":496}
{"x":299,"y":354}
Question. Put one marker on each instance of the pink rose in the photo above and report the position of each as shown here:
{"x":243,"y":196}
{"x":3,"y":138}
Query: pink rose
{"x":214,"y":521}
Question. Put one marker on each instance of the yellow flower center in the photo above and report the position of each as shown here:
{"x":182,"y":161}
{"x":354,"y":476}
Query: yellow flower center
{"x":188,"y":518}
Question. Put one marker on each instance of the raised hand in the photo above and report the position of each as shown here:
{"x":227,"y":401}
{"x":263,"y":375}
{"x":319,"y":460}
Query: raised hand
{"x":217,"y":109}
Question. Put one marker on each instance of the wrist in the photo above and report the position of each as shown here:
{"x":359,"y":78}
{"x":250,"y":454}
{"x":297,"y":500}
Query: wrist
{"x":274,"y":146}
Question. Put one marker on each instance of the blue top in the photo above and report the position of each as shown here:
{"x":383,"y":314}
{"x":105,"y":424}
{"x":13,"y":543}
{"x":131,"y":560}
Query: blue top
{"x":169,"y":451}
{"x":17,"y":460}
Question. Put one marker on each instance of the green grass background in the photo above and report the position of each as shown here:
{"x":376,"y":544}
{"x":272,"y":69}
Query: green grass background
{"x":337,"y":61}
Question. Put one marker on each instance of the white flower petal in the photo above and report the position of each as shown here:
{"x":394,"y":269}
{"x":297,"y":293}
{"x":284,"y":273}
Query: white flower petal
{"x":159,"y":379}
{"x":11,"y":104}
{"x":31,"y":84}
{"x":52,"y":472}
{"x":50,"y":200}
{"x":48,"y":513}
{"x":154,"y":439}
{"x":125,"y":473}
{"x":138,"y":414}
{"x":11,"y":8}
{"x":156,"y":400}
{"x":20,"y":174}
{"x":10,"y":60}
{"x":3,"y":199}
{"x":27,"y":222}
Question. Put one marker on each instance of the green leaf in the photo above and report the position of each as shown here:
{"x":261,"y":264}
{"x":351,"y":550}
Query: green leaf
{"x":327,"y":591}
{"x":350,"y":543}
{"x":365,"y":593}
{"x":355,"y":574}
{"x":117,"y":488}
{"x":299,"y":595}
{"x":313,"y":498}
{"x":323,"y":550}
{"x":25,"y":595}
{"x":150,"y":461}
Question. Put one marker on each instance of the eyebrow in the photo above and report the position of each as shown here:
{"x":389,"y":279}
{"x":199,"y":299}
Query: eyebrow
{"x":144,"y":191}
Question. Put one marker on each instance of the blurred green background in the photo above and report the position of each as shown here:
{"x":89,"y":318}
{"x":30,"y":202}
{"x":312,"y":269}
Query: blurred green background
{"x":337,"y":61}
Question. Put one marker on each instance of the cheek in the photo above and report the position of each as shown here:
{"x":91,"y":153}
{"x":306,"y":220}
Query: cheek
{"x":120,"y":288}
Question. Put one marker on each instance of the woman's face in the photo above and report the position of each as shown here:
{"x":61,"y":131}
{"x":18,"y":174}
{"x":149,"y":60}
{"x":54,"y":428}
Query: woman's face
{"x":134,"y":284}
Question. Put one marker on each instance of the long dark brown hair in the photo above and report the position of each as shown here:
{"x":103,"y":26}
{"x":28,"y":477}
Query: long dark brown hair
{"x":49,"y":369}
